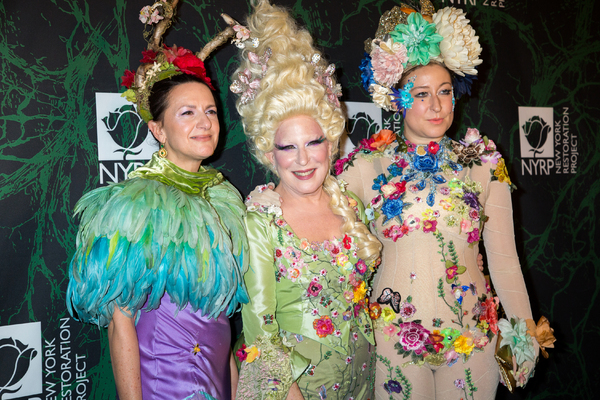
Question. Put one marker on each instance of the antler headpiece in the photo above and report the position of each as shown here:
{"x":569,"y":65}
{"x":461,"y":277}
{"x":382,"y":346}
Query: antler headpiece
{"x":409,"y":36}
{"x":160,"y":61}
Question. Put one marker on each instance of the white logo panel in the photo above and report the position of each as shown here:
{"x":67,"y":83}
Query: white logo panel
{"x":362,"y":117}
{"x":122,"y":134}
{"x":20,"y":360}
{"x":536,"y":132}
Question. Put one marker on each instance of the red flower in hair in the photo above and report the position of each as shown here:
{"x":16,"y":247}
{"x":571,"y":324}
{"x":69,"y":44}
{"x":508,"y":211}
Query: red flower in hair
{"x":192,"y":65}
{"x":127,"y":78}
{"x":148,"y":56}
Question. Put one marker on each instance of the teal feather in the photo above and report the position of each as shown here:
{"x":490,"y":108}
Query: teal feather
{"x":161,"y":235}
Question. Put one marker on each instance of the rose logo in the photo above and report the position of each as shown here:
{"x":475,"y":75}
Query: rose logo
{"x":125,"y":126}
{"x":364,"y":123}
{"x":536,"y":132}
{"x":16,"y":358}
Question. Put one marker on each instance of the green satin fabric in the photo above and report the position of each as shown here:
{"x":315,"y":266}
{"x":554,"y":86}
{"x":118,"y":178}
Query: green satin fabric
{"x":286,"y":301}
{"x":164,"y":171}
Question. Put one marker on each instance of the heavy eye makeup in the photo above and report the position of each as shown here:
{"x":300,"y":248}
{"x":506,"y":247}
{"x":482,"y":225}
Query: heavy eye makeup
{"x":291,"y":146}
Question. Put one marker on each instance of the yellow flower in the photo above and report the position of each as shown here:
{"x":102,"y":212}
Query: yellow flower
{"x":501,"y":173}
{"x":351,"y":202}
{"x":360,"y":291}
{"x":341,"y":259}
{"x":388,"y":314}
{"x":253,"y":353}
{"x":446,"y":205}
{"x":464,"y":345}
{"x":427,"y":214}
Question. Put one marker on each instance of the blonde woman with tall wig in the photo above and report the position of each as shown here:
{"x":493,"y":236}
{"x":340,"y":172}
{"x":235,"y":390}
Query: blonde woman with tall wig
{"x":307,"y":327}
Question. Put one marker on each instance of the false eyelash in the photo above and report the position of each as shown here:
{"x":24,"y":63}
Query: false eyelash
{"x":278,"y":147}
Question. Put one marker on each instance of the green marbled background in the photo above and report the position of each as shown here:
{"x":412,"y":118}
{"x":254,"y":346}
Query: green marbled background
{"x":56,"y":54}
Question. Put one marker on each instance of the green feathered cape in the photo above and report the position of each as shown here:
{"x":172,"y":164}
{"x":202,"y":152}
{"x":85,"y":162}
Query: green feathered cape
{"x":163,"y":229}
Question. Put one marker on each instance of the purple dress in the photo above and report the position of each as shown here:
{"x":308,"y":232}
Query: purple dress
{"x":183,"y":355}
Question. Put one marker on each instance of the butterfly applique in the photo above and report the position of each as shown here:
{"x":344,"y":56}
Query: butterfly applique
{"x":388,"y":296}
{"x":323,"y":392}
{"x":473,"y":288}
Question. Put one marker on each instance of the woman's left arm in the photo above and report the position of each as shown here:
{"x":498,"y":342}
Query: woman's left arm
{"x":505,"y":269}
{"x":501,"y":250}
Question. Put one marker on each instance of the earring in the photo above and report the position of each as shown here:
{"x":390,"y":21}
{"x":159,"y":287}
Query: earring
{"x":162,"y":153}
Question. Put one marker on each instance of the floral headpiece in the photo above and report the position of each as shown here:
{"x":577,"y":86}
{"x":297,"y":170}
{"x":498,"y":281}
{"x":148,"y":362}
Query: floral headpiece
{"x":161,"y":62}
{"x":408,"y":37}
{"x":248,"y":83}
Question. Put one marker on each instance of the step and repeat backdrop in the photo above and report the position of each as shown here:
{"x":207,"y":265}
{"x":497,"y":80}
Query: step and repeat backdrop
{"x":64,"y":130}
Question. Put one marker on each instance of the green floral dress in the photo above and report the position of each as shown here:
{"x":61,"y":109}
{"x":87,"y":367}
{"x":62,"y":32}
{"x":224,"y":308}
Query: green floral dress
{"x":307,"y":319}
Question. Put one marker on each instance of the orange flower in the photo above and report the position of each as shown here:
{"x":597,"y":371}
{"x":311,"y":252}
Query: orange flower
{"x":374,"y":310}
{"x":382,"y":139}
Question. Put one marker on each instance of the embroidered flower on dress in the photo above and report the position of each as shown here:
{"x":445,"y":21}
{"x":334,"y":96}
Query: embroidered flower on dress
{"x":464,"y":345}
{"x":392,"y":386}
{"x":314,"y":289}
{"x":413,"y":337}
{"x":323,"y":326}
{"x":473,"y":236}
{"x":241,"y":353}
{"x":407,"y":310}
{"x":389,"y":331}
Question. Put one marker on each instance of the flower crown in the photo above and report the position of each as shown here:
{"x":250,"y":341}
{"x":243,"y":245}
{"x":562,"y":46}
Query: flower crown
{"x":407,"y":37}
{"x":248,"y":84}
{"x":161,"y":62}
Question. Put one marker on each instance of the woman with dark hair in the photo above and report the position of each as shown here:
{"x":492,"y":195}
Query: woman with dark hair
{"x":160,"y":256}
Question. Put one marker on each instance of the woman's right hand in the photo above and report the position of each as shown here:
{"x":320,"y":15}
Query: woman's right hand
{"x":264,"y":195}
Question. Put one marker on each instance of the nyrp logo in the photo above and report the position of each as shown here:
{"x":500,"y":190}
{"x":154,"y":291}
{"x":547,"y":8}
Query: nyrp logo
{"x":536,"y":139}
{"x":364,"y":120}
{"x":124,"y":141}
{"x":535,"y":131}
{"x":20,"y":360}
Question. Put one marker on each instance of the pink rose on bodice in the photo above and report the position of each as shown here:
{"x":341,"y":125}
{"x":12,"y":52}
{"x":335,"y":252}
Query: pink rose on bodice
{"x":413,"y":336}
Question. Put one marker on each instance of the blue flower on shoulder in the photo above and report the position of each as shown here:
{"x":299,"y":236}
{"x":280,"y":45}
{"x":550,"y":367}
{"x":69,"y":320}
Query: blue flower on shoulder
{"x":395,"y":170}
{"x":392,"y":208}
{"x":379,"y":182}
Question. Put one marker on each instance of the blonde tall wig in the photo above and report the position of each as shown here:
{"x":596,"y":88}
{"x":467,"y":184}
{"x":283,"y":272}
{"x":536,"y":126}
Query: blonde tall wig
{"x":290,"y":87}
